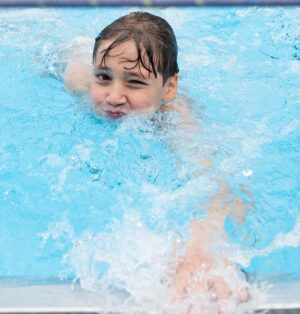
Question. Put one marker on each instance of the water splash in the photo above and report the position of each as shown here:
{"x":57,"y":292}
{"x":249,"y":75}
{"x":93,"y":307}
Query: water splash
{"x":131,"y":268}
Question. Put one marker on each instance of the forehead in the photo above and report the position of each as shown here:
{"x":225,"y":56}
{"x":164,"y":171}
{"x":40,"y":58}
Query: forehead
{"x":125,"y":54}
{"x":126,"y":49}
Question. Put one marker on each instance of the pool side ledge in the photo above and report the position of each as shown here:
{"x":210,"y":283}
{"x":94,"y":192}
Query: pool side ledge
{"x":284,"y":298}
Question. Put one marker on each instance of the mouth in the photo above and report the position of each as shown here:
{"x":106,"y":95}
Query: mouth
{"x":115,"y":115}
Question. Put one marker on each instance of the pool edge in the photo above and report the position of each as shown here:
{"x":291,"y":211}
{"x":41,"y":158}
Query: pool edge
{"x":65,"y":298}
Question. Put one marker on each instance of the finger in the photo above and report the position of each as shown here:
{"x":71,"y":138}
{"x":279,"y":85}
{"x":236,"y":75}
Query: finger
{"x":198,"y":286}
{"x":226,"y":307}
{"x":181,"y":279}
{"x":190,"y":309}
{"x":221,"y":288}
{"x":243,"y":295}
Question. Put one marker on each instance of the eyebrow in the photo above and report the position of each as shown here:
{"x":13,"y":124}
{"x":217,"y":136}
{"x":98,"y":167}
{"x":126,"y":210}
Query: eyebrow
{"x":135,"y":74}
{"x":98,"y":70}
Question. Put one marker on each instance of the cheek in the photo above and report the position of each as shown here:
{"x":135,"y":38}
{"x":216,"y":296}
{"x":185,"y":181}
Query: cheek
{"x":138,"y":101}
{"x":97,"y":95}
{"x":145,"y":101}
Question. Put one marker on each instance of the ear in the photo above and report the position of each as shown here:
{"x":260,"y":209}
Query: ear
{"x":171,"y":88}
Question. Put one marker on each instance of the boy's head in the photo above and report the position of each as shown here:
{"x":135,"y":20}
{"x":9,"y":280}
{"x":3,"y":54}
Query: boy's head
{"x":135,"y":65}
{"x":149,"y":31}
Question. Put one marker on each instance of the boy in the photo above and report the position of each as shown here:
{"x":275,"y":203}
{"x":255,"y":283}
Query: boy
{"x":135,"y":70}
{"x":134,"y":67}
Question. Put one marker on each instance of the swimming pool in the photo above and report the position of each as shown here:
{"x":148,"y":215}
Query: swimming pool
{"x":102,"y":202}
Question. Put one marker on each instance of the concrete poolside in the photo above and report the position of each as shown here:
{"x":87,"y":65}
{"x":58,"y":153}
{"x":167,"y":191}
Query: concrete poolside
{"x":284,"y":298}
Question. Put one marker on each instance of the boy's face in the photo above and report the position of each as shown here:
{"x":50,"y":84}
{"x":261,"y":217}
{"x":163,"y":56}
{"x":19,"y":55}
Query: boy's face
{"x":119,"y":89}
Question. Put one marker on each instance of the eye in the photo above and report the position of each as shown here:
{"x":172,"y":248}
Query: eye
{"x":103,"y":77}
{"x":136,"y":82}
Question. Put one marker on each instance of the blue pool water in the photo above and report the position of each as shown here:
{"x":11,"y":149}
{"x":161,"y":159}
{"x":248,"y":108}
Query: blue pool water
{"x":80,"y":195}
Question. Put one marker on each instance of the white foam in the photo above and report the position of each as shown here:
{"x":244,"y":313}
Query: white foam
{"x":62,"y":177}
{"x":131,"y":268}
{"x":54,"y":160}
{"x":203,"y":60}
{"x":136,"y":261}
{"x":57,"y":230}
{"x":84,"y":151}
{"x":291,"y":127}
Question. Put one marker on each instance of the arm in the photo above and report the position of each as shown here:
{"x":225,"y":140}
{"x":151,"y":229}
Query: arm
{"x":202,"y":269}
{"x":198,"y":256}
{"x":225,"y":202}
{"x":184,"y":141}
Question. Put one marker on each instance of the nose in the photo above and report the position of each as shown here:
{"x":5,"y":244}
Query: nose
{"x":115,"y":96}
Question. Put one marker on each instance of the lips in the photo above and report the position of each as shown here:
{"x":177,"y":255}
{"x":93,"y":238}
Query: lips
{"x":115,"y":115}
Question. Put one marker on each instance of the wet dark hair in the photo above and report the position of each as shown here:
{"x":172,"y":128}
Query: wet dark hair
{"x":148,"y":31}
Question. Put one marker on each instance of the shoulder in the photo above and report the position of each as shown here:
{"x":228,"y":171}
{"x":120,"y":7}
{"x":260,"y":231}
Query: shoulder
{"x":77,"y":76}
{"x":179,"y":104}
{"x":78,"y":71}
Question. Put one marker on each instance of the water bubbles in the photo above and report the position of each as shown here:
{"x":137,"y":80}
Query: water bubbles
{"x":83,"y":151}
{"x":62,"y":177}
{"x":247,"y":172}
{"x":57,"y":230}
{"x":53,"y":160}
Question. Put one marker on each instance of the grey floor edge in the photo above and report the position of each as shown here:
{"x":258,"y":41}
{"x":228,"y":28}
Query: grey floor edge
{"x":51,"y":298}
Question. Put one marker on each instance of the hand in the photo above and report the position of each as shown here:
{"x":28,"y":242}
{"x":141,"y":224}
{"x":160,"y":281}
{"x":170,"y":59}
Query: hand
{"x":204,"y":277}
